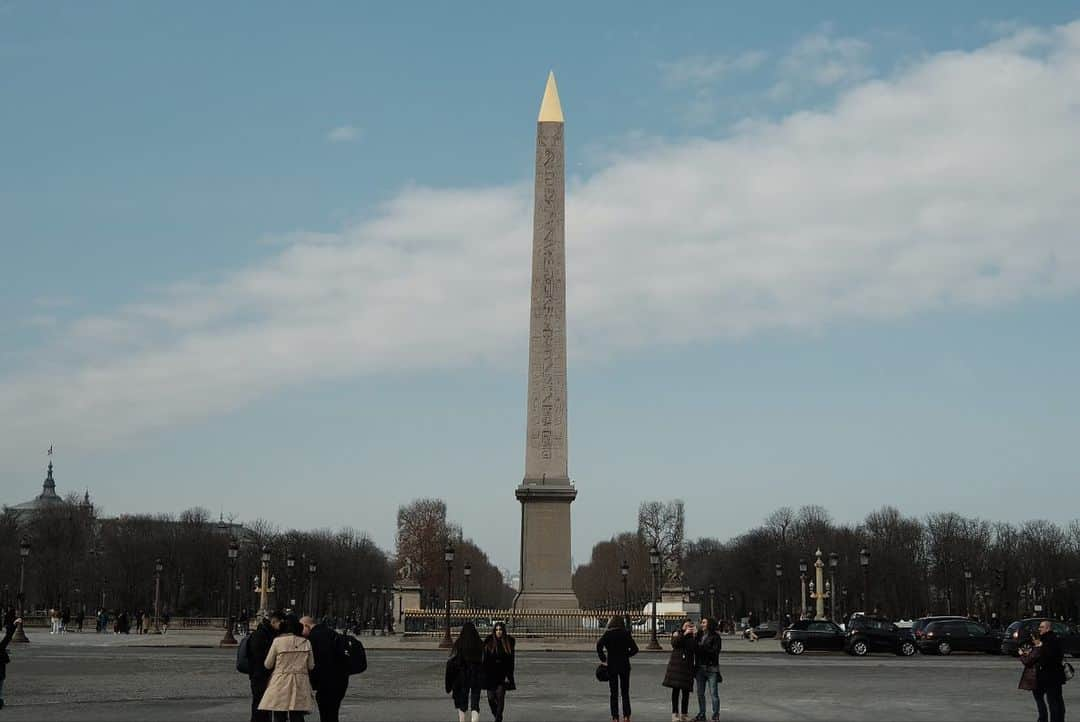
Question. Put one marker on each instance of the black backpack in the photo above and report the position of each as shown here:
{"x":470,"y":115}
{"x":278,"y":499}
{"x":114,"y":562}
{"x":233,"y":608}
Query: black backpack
{"x":243,"y":654}
{"x":352,"y":654}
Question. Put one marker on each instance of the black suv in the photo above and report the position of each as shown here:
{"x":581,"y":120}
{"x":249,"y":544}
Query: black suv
{"x":810,"y":634}
{"x":1019,"y":634}
{"x":876,"y":634}
{"x":958,"y":635}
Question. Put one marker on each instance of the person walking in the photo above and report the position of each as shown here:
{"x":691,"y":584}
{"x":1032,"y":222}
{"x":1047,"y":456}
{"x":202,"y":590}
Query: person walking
{"x":165,"y":619}
{"x":330,"y":678}
{"x":679,"y":675}
{"x":258,"y":675}
{"x":288,"y":695}
{"x":464,"y":671}
{"x":498,"y":669}
{"x":707,"y":646}
{"x":65,"y":619}
{"x":615,"y":648}
{"x":1044,"y":673}
{"x":80,"y":617}
{"x":10,"y":622}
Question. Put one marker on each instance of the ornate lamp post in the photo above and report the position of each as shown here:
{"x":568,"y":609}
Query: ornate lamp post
{"x":624,"y":572}
{"x":448,"y":556}
{"x":834,"y":562}
{"x":158,"y":568}
{"x":229,"y":640}
{"x":290,"y":566}
{"x":264,"y":584}
{"x":712,"y":602}
{"x":729,"y":611}
{"x":468,"y":576}
{"x":802,"y":589}
{"x":374,"y":612}
{"x":654,"y":564}
{"x":312,"y":569}
{"x":818,"y":590}
{"x":24,"y":552}
{"x":779,"y":593}
{"x":967,"y":591}
{"x":386,"y":610}
{"x":864,"y":562}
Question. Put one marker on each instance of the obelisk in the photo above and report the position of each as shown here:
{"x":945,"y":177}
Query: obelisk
{"x":546,"y":491}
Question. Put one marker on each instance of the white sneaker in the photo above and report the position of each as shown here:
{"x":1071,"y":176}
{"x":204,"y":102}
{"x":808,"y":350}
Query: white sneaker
{"x":460,"y":716}
{"x":475,"y":717}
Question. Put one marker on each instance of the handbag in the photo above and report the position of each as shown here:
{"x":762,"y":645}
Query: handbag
{"x":603,"y":674}
{"x":1067,"y":670}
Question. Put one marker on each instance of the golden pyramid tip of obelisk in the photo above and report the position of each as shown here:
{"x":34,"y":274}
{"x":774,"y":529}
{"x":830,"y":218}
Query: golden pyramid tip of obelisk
{"x":550,"y":107}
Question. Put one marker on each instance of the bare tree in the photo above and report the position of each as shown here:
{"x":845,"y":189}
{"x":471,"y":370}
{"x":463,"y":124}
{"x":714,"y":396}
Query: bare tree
{"x":662,"y":524}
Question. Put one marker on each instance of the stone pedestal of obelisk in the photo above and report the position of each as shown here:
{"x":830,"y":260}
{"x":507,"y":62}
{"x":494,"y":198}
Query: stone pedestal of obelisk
{"x":546,"y":491}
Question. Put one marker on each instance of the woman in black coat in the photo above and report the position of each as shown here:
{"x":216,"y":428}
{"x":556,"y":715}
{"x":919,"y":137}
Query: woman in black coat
{"x":464,"y":672}
{"x":498,"y":667}
{"x":679,"y":675}
{"x":615,"y":648}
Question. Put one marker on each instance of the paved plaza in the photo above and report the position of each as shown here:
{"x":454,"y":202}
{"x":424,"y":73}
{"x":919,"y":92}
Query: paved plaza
{"x":91,"y":677}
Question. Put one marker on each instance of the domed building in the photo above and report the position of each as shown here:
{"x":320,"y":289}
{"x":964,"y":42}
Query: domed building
{"x":47,"y":499}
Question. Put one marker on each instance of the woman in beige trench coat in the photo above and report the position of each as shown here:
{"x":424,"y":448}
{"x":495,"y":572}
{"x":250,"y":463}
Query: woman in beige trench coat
{"x":289,"y":695}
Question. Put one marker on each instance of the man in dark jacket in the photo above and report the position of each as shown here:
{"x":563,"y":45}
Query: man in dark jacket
{"x":707,"y":645}
{"x":615,"y":648}
{"x":330,"y":678}
{"x":10,"y":622}
{"x":258,"y":647}
{"x":1048,"y":657}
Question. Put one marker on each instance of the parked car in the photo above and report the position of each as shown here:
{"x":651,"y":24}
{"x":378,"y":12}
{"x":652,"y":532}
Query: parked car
{"x":958,"y":635}
{"x":875,"y":634}
{"x":918,"y":627}
{"x":1019,"y":633}
{"x":765,"y":630}
{"x":810,"y":635}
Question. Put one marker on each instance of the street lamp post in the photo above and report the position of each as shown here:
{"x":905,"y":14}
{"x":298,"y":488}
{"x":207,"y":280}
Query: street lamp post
{"x":779,"y":593}
{"x":229,"y":640}
{"x":468,"y":577}
{"x":312,"y":569}
{"x":624,"y":573}
{"x":373,"y":613}
{"x":158,"y":568}
{"x":448,"y":556}
{"x":654,"y":565}
{"x":265,"y":585}
{"x":290,"y":567}
{"x":802,"y":589}
{"x":24,"y":552}
{"x":864,"y":562}
{"x":386,"y":610}
{"x":712,"y":602}
{"x":967,"y":591}
{"x":834,"y":562}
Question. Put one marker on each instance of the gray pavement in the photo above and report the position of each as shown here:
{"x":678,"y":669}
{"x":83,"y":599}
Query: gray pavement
{"x":107,"y":678}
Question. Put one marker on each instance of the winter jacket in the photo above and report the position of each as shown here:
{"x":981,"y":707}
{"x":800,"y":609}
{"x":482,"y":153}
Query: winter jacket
{"x":616,"y":648}
{"x":258,"y":647}
{"x":462,"y":677}
{"x":289,"y":689}
{"x":498,"y":666}
{"x":9,"y":632}
{"x":331,"y":672}
{"x":707,"y":648}
{"x":680,"y":666}
{"x":1049,"y":660}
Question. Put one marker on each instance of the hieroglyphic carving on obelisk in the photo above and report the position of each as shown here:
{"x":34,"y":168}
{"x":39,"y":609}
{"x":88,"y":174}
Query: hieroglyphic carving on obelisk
{"x":546,"y":491}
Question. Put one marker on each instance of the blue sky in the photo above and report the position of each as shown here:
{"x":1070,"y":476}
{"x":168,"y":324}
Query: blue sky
{"x":273,"y":260}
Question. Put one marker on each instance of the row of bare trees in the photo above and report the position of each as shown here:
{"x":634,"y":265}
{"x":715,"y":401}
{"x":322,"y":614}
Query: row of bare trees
{"x":79,"y":561}
{"x":942,"y":563}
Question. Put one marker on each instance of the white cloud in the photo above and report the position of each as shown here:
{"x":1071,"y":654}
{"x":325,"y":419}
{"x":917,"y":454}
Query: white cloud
{"x":950,"y":184}
{"x":822,"y":60}
{"x":703,"y":70}
{"x":343,"y":134}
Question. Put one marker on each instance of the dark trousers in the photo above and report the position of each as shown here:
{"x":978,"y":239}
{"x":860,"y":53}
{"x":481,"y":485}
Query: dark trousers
{"x":680,"y":700}
{"x":619,"y":683}
{"x":1049,"y":697}
{"x":329,"y":701}
{"x":467,"y":698}
{"x":288,"y":716}
{"x":497,"y":702}
{"x":258,"y":688}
